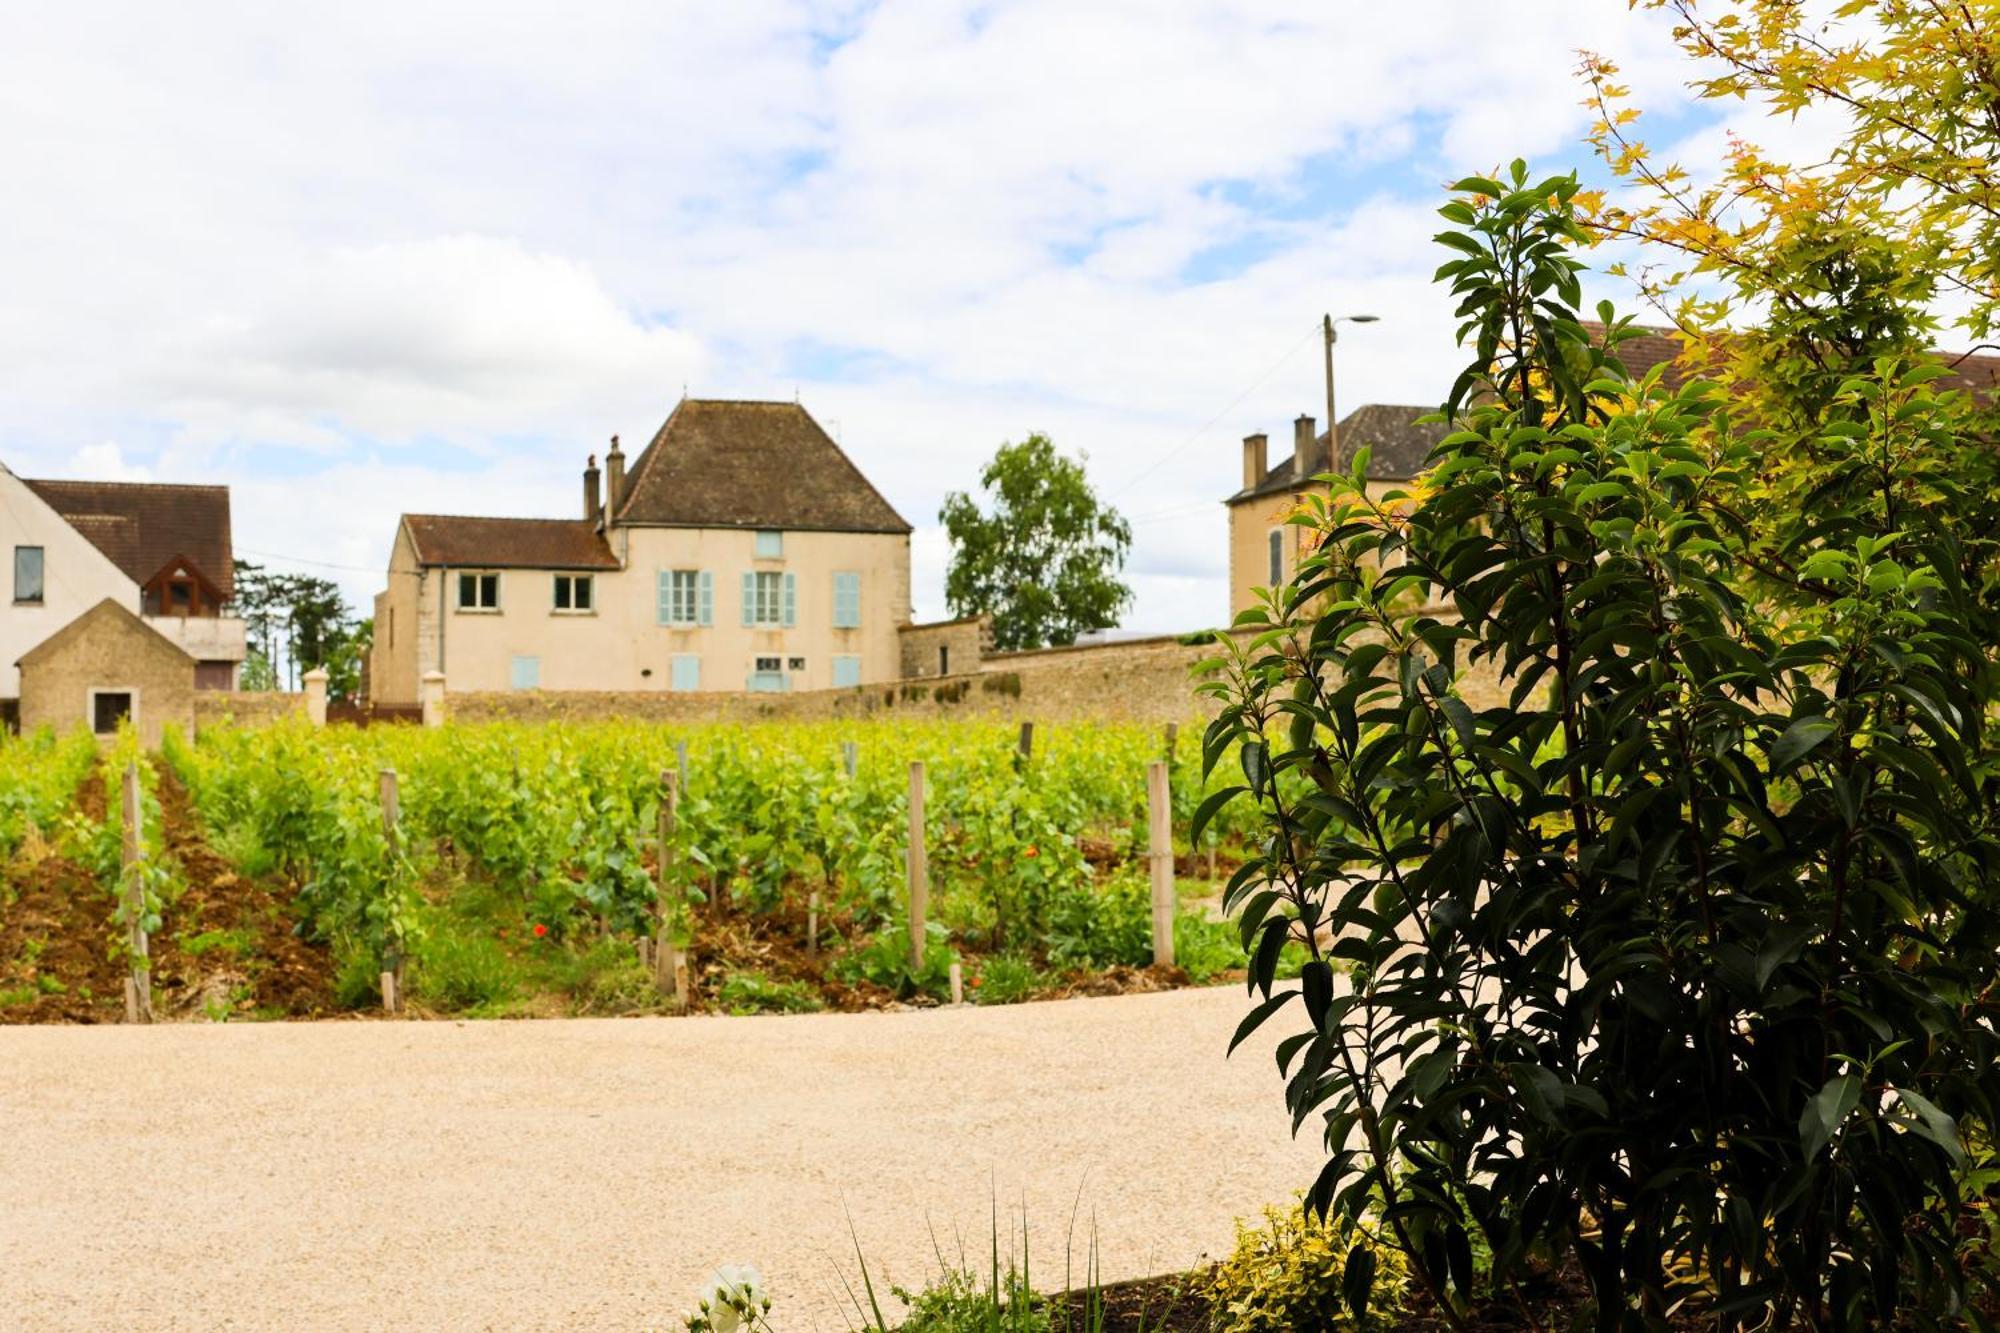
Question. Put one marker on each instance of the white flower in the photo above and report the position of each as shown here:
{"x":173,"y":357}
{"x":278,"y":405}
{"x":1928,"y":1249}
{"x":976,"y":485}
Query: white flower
{"x":734,"y":1298}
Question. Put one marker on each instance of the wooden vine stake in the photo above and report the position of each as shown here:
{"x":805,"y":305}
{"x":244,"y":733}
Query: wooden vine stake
{"x":1027,"y":743}
{"x":139,"y":985}
{"x":1161,"y":811}
{"x":670,"y":905}
{"x":919,"y":867}
{"x":392,"y":939}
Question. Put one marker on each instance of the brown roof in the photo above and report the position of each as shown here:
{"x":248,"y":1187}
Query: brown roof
{"x":508,"y":543}
{"x":1396,"y":436}
{"x":140,"y":526}
{"x":719,"y":463}
{"x":1979,"y":375}
{"x":111,"y":610}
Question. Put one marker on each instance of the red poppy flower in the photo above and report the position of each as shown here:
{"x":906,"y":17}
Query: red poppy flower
{"x":540,"y":930}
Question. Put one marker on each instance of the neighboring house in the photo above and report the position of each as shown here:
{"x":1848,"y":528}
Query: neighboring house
{"x":161,"y":552}
{"x":743,"y":551}
{"x":106,"y":666}
{"x":1264,"y":549}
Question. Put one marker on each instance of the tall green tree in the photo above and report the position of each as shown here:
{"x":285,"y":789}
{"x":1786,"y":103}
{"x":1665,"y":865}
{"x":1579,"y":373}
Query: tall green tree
{"x":1044,"y":559}
{"x":295,"y":622}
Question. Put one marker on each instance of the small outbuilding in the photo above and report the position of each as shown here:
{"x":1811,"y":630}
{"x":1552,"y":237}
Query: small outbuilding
{"x":103,"y":667}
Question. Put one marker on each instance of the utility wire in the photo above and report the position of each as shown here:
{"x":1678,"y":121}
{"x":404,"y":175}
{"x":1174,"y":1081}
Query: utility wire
{"x":1234,"y":403}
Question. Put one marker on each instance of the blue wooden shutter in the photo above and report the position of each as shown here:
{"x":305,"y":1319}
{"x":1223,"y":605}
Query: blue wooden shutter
{"x":749,"y":598}
{"x":791,"y":600}
{"x":846,"y":671}
{"x":707,"y":597}
{"x":666,"y":598}
{"x":847,"y":601}
{"x":687,"y":673}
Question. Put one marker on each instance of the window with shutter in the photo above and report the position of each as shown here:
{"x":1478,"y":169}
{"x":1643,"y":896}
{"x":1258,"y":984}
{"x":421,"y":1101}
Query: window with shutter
{"x":791,"y":600}
{"x":846,"y":672}
{"x":846,"y":601}
{"x":686,"y":672}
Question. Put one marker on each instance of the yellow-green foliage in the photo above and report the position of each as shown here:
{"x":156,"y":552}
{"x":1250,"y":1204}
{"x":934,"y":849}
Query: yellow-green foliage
{"x":1286,"y":1275}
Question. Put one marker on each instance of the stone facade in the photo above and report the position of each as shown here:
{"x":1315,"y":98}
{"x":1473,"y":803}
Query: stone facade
{"x":246,"y":709}
{"x":77,"y":676}
{"x":1138,"y":680}
{"x":946,"y":647}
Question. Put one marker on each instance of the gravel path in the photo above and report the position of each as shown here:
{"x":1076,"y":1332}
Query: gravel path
{"x":589,"y":1174}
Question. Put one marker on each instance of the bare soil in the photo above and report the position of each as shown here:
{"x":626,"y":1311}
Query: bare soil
{"x":254,"y":963}
{"x":56,"y":934}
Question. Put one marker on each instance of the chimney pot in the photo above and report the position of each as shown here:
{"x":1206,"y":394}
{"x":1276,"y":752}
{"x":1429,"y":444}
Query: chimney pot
{"x":1306,"y":457}
{"x":591,"y":506}
{"x":614,"y":467}
{"x":1256,"y":458}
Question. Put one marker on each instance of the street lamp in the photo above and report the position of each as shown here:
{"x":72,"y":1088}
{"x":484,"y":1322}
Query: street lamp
{"x":1332,"y":420}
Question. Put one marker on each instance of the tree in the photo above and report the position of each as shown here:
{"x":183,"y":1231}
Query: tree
{"x":294,"y":622}
{"x":1682,"y":963}
{"x":1044,"y":562}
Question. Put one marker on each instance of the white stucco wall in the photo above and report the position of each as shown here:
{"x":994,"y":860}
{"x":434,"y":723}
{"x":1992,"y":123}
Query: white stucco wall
{"x":75,"y":577}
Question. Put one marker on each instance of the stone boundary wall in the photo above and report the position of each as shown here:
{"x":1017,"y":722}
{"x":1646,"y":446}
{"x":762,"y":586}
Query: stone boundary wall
{"x":1135,"y":680}
{"x":246,"y":708}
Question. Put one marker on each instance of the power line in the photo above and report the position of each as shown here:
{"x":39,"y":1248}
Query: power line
{"x":302,"y":560}
{"x":1234,"y":403}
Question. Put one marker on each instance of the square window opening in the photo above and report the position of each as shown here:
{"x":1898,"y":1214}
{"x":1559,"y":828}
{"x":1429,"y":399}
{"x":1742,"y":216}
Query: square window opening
{"x":108,"y":708}
{"x":770,"y":545}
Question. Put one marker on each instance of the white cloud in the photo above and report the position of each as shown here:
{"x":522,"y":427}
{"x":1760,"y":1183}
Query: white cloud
{"x":427,"y":257}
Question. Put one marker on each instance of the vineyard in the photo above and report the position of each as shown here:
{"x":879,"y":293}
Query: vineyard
{"x":521,"y":869}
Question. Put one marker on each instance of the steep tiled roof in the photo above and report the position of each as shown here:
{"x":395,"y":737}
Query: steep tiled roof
{"x":140,"y":526}
{"x":508,"y":543}
{"x":1397,"y":439}
{"x":719,"y":463}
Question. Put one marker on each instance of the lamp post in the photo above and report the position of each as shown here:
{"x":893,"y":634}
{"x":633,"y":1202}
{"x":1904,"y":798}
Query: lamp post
{"x":1333,"y":420}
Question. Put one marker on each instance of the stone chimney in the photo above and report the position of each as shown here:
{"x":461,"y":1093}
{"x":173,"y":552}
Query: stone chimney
{"x":614,"y":478}
{"x":593,"y":507}
{"x":1256,"y":458}
{"x":1306,"y":456}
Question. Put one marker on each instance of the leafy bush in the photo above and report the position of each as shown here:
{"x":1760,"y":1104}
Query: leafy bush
{"x":1004,"y":979}
{"x":462,"y":969}
{"x":1300,"y":1271}
{"x":755,"y":993}
{"x":1104,"y":925}
{"x":884,"y":960}
{"x":1682,"y":962}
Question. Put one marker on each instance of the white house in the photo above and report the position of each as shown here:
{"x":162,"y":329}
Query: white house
{"x":163,"y":552}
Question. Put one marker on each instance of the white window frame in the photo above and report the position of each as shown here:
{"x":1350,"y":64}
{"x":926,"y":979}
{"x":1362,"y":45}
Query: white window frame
{"x":767,"y":604}
{"x":588,"y":582}
{"x":683,"y":596}
{"x":459,"y":603}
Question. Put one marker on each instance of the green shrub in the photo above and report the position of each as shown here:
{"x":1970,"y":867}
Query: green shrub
{"x":460,"y":970}
{"x":357,"y":978}
{"x":884,"y":960}
{"x":1680,"y":962}
{"x":1292,"y":1273}
{"x":1104,"y":925}
{"x":1004,"y":979}
{"x":755,"y":993}
{"x":960,"y":1301}
{"x":1205,"y":949}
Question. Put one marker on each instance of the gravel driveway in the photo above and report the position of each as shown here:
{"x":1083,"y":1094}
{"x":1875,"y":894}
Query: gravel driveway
{"x":588,"y":1174}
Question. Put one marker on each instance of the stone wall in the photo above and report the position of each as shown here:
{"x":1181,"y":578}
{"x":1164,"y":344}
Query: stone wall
{"x":1136,"y":680}
{"x":246,"y":709}
{"x":945,"y":647}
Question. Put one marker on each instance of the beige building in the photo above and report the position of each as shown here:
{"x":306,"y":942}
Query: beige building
{"x":1264,"y":549}
{"x":102,"y":667}
{"x":742,"y":551}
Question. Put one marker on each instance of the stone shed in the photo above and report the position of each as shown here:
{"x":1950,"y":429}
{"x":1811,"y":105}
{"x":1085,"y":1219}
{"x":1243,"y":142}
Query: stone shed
{"x":106,"y":665}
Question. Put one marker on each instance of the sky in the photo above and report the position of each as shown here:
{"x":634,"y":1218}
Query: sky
{"x":360,"y":259}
